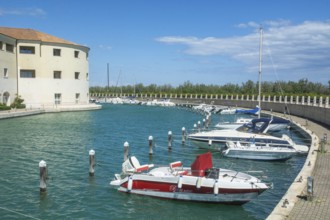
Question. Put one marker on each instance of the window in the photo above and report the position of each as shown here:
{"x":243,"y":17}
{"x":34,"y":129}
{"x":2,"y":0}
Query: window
{"x":86,"y":76}
{"x":77,"y":97}
{"x":57,"y":98}
{"x":27,"y":50}
{"x":57,"y":52}
{"x":76,"y":75}
{"x":76,"y":54}
{"x":5,"y":73}
{"x":1,"y":45}
{"x":57,"y":74}
{"x":28,"y":74}
{"x":9,"y":47}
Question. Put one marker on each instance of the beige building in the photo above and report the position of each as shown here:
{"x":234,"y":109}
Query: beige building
{"x":45,"y":71}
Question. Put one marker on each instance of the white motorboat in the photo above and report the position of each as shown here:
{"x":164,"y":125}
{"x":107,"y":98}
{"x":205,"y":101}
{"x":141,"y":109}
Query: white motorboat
{"x":164,"y":102}
{"x":201,"y":182}
{"x":228,"y":111}
{"x":233,"y":125}
{"x":258,"y":152}
{"x":252,"y":132}
{"x":276,"y":124}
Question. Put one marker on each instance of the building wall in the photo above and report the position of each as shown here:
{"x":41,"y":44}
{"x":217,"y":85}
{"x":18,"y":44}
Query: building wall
{"x":39,"y":91}
{"x":8,"y":71}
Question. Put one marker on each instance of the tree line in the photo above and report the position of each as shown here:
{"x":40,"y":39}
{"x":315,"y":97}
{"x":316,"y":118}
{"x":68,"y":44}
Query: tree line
{"x":301,"y":87}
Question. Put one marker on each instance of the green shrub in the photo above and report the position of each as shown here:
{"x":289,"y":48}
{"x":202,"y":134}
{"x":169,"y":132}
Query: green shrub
{"x":4,"y":107}
{"x":18,"y":103}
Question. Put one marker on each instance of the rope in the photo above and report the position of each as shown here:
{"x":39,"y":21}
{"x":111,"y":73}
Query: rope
{"x":9,"y":210}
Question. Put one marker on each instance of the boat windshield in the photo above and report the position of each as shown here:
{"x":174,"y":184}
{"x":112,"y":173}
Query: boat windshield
{"x":253,"y":127}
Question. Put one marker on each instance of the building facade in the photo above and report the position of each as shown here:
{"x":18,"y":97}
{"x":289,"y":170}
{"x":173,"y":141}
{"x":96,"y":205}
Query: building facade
{"x":44,"y":70}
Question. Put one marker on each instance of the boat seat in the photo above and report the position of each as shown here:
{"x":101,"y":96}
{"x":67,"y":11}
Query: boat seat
{"x":177,"y":168}
{"x":132,"y":165}
{"x":183,"y":172}
{"x":143,"y":168}
{"x":175,"y":165}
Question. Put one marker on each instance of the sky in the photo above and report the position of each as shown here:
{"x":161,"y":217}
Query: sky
{"x":170,"y":42}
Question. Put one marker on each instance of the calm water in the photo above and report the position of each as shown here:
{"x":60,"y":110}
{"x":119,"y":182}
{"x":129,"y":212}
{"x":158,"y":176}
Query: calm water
{"x":64,"y":140}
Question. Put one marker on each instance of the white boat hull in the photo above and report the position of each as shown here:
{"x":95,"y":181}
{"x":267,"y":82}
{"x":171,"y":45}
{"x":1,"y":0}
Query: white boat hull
{"x":258,"y":155}
{"x":239,"y":198}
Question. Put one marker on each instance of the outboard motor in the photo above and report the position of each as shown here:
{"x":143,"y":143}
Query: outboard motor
{"x":130,"y":165}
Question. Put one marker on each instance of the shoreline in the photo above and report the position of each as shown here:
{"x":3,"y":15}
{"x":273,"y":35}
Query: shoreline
{"x":14,"y":113}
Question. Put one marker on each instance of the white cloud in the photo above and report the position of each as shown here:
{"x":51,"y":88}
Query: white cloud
{"x":101,"y":46}
{"x":22,"y":12}
{"x":303,"y":47}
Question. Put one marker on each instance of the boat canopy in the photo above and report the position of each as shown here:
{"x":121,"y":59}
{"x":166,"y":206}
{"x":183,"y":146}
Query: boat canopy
{"x":201,"y":164}
{"x":254,"y":111}
{"x":261,"y":125}
{"x":257,"y":125}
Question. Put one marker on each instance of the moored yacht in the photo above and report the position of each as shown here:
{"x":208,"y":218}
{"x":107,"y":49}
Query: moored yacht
{"x":276,"y":124}
{"x":258,"y":152}
{"x":200,"y":182}
{"x":252,"y":132}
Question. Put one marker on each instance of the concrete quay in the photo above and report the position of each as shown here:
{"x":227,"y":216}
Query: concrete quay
{"x":13,"y":113}
{"x":19,"y":113}
{"x":317,"y":165}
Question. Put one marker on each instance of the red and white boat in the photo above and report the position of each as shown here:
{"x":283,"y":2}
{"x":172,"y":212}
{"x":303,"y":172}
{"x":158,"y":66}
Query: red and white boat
{"x":200,"y":182}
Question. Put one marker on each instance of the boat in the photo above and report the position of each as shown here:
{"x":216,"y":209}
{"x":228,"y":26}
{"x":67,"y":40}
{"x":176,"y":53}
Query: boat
{"x":200,"y":182}
{"x":253,"y":132}
{"x":254,"y":111}
{"x":163,"y":102}
{"x":232,"y":125}
{"x":228,"y":111}
{"x":253,"y":151}
{"x":276,"y":124}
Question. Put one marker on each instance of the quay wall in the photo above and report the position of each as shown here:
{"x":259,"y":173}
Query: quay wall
{"x":309,"y":107}
{"x":310,"y":112}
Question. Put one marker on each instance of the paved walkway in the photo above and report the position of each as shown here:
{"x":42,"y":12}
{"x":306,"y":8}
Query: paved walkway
{"x":319,"y":207}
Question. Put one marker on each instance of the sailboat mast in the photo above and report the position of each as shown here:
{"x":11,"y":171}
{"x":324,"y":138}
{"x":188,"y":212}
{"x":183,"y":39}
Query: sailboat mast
{"x":108,"y":73}
{"x":260,"y":65}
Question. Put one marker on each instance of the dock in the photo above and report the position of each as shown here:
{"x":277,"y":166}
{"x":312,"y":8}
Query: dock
{"x":319,"y":207}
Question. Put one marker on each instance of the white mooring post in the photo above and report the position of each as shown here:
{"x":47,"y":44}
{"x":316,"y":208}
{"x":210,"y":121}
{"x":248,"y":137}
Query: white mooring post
{"x":126,"y":146}
{"x":208,"y":120}
{"x":199,"y":126}
{"x":43,"y":176}
{"x":91,"y":162}
{"x":183,"y":135}
{"x":170,"y":139}
{"x":150,"y":145}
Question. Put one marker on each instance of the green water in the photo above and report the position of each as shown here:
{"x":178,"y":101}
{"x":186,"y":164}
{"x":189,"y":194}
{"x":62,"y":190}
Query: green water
{"x":63,"y":140}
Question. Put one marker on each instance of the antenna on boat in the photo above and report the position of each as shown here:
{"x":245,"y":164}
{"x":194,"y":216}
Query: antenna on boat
{"x":260,"y":65}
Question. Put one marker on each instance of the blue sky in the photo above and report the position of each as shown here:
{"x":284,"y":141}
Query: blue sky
{"x":174,"y":41}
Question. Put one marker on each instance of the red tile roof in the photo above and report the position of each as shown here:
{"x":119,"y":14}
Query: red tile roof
{"x":30,"y":34}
